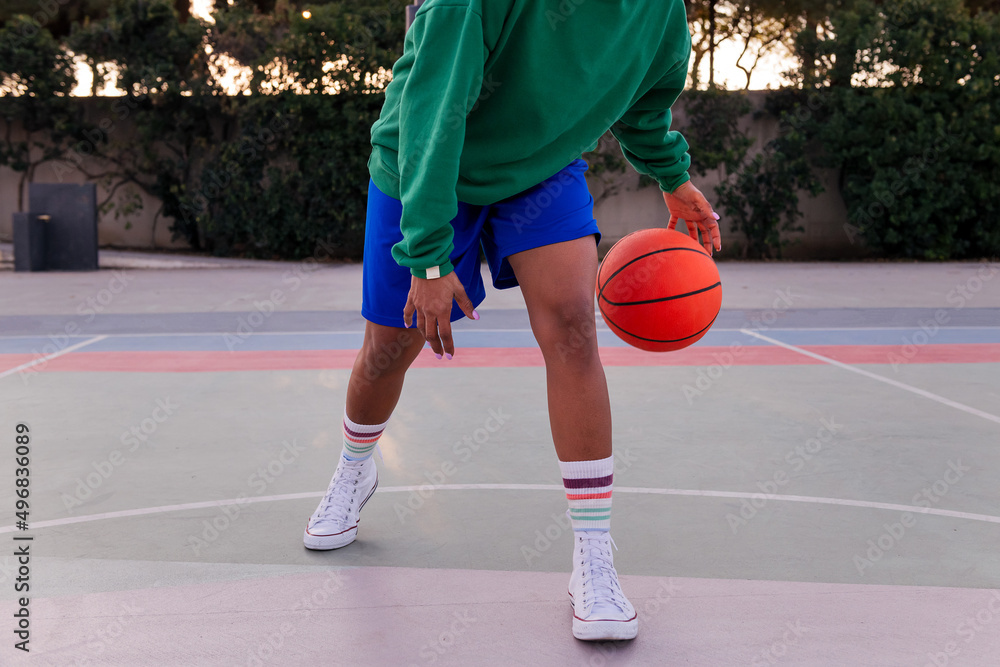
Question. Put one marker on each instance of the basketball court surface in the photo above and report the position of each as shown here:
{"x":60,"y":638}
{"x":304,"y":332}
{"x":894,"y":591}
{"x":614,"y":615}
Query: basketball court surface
{"x":814,"y":483}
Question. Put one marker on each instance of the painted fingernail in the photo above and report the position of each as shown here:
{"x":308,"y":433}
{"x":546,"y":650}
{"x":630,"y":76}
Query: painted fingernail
{"x":437,"y":355}
{"x":475,"y":315}
{"x":715,"y":215}
{"x":447,"y":356}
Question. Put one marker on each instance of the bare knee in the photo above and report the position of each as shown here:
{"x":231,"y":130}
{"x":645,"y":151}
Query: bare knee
{"x":566,"y":331}
{"x":387,"y":351}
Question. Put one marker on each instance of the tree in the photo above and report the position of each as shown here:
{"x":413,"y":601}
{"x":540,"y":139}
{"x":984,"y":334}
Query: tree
{"x":904,"y":102}
{"x":293,"y":176}
{"x":762,"y":200}
{"x":57,"y":17}
{"x":170,"y":102}
{"x":760,"y":27}
{"x":36,"y":77}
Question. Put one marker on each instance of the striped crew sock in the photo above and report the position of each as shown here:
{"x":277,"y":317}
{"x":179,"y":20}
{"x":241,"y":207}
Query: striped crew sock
{"x":588,"y":490}
{"x":360,"y":440}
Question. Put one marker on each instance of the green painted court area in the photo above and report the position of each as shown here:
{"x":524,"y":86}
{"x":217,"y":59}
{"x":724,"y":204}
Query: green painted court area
{"x":814,"y":483}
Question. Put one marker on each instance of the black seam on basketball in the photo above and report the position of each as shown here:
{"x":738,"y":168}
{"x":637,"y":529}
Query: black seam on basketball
{"x":654,"y":340}
{"x":636,"y":259}
{"x":662,"y":299}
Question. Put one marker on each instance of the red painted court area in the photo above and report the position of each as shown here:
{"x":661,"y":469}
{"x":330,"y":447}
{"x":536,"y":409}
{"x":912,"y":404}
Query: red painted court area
{"x":498,"y":357}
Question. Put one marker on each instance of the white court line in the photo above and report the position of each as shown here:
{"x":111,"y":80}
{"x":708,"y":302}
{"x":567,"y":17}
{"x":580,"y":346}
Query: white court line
{"x":509,"y":487}
{"x":49,"y":357}
{"x":899,"y":385}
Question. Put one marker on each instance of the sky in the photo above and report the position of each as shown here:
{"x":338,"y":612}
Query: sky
{"x":201,"y":8}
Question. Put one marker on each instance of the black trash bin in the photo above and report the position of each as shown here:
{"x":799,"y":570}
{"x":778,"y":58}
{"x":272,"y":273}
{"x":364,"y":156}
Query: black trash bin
{"x":59,"y":231}
{"x":71,"y":232}
{"x":29,"y":241}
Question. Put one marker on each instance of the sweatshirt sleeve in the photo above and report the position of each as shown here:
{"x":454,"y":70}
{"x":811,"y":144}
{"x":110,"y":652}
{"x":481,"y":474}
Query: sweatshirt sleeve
{"x":443,"y":84}
{"x":645,"y":136}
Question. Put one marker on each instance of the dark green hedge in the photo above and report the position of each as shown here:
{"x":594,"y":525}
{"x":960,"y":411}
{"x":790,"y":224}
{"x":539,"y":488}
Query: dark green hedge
{"x":295,"y":174}
{"x":918,"y":147}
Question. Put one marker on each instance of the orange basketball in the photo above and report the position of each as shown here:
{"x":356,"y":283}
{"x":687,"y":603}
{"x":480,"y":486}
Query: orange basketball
{"x":658,"y":290}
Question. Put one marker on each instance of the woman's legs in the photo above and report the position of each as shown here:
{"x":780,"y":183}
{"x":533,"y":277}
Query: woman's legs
{"x":377,"y":378}
{"x":372,"y":394}
{"x":558,"y":285}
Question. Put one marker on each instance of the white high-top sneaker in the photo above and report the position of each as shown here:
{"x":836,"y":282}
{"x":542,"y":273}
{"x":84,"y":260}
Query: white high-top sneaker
{"x":334,"y":524}
{"x":600,"y":609}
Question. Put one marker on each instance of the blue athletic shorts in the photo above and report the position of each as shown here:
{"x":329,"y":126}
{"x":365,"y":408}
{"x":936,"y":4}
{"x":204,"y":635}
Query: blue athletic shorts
{"x":558,"y":209}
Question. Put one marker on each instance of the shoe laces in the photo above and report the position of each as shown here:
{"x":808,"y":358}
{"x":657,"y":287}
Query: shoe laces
{"x":600,"y":580}
{"x":342,"y":493}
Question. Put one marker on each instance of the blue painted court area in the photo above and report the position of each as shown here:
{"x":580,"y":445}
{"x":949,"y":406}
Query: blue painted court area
{"x":493,"y":338}
{"x":811,"y":503}
{"x":486,"y":334}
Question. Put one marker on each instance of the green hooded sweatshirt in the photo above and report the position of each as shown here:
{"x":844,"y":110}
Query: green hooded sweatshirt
{"x":491,"y":97}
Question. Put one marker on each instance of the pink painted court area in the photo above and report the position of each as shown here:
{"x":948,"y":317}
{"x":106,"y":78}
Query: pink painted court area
{"x":495,"y":357}
{"x":813,"y":483}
